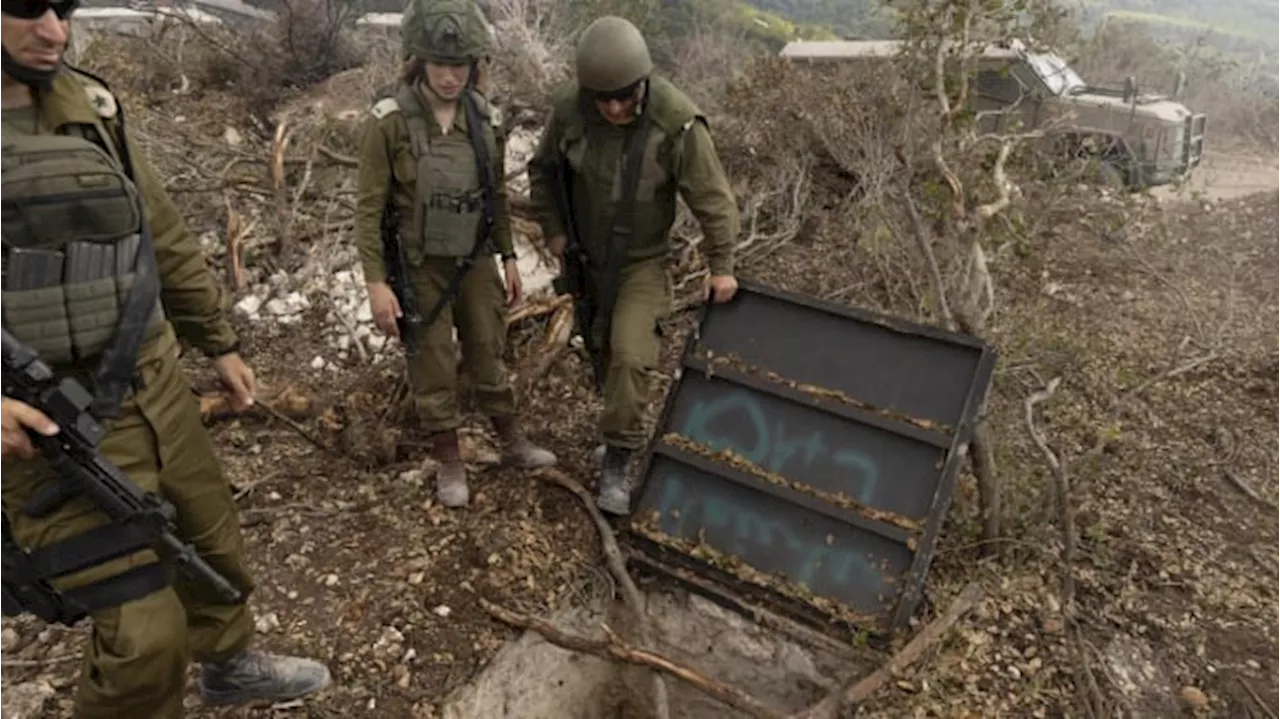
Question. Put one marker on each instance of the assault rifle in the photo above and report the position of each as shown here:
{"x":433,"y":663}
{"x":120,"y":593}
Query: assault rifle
{"x":398,"y":278}
{"x":83,"y":470}
{"x":574,"y":278}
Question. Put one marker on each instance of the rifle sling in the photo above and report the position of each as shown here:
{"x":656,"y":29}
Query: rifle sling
{"x":118,"y":365}
{"x":623,"y":226}
{"x":82,"y":551}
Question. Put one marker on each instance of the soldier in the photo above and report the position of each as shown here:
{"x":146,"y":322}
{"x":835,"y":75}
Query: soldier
{"x":620,"y":145}
{"x":76,"y":191}
{"x":433,"y":154}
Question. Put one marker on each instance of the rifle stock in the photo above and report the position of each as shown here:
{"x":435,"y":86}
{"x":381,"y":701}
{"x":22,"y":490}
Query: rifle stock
{"x":83,"y":470}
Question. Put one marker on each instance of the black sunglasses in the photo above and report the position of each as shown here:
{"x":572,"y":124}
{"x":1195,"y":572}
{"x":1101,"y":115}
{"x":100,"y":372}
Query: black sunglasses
{"x":625,"y":93}
{"x":35,"y":9}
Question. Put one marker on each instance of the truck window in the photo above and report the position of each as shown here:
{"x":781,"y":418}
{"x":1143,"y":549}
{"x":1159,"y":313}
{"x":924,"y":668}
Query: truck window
{"x":998,"y":85}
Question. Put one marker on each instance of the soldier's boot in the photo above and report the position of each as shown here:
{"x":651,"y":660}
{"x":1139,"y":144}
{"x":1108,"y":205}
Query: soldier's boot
{"x":254,"y":675}
{"x":614,"y":494}
{"x":451,"y":476}
{"x":516,"y":448}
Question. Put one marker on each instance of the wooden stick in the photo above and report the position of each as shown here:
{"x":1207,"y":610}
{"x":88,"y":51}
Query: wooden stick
{"x":856,"y":692}
{"x":615,"y":648}
{"x":618,"y":566}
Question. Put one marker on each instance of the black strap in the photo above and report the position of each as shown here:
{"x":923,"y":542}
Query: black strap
{"x":488,"y":188}
{"x":88,"y":549}
{"x":621,"y":231}
{"x":118,"y":366}
{"x":26,"y":585}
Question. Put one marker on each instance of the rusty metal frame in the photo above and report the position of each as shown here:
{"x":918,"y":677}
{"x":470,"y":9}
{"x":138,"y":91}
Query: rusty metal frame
{"x":655,"y":558}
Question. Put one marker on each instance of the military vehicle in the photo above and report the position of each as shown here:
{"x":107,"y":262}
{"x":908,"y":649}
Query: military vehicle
{"x":1126,"y":137}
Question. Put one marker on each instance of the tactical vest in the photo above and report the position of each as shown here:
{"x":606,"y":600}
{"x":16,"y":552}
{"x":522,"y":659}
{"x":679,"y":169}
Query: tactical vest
{"x":74,"y":236}
{"x":448,"y":201}
{"x":671,"y":114}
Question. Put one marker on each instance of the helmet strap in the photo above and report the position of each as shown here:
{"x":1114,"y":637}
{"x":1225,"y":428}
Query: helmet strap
{"x":29,"y":76}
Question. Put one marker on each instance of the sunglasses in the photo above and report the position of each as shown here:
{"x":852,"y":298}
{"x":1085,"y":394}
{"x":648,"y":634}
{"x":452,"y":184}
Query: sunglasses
{"x":623,"y":94}
{"x":35,"y":9}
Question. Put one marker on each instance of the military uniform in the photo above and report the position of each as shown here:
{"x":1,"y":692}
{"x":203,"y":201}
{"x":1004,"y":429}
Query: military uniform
{"x":678,"y":159}
{"x":135,"y":663}
{"x":431,"y":180}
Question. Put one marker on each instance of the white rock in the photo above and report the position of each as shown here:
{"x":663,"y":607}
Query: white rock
{"x":8,"y":639}
{"x":249,"y":305}
{"x":267,"y":622}
{"x":375,"y":342}
{"x":26,"y":700}
{"x":318,"y":362}
{"x":364,"y":313}
{"x":442,"y":611}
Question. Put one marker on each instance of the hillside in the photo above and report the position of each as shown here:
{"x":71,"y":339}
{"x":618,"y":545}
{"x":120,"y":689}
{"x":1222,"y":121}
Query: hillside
{"x":1131,"y":416}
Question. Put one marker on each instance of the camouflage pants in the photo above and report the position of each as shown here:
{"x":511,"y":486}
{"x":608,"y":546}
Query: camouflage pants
{"x":479,"y":312}
{"x":136,"y":659}
{"x":644,"y":298}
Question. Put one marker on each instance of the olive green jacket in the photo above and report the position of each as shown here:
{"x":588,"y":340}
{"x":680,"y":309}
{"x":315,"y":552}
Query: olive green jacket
{"x":388,"y":169}
{"x":680,"y":158}
{"x":194,"y":301}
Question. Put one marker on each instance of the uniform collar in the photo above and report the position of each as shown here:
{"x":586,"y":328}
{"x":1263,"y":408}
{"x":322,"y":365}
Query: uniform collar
{"x":66,"y":103}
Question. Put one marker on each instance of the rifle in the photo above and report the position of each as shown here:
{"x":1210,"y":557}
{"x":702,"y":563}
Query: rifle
{"x":574,"y":278}
{"x":597,"y":292}
{"x":145,"y":518}
{"x":398,"y":278}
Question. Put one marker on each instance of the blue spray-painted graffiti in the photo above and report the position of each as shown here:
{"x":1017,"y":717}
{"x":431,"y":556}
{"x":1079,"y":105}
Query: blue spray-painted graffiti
{"x":784,"y":543}
{"x":771,"y":447}
{"x":805,"y":553}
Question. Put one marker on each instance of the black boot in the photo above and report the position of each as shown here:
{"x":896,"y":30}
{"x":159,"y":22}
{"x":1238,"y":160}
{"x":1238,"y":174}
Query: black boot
{"x":614,"y":494}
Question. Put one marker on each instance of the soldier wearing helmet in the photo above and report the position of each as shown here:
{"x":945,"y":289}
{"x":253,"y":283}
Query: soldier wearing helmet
{"x":432,"y":160}
{"x":621,"y":144}
{"x":102,"y":279}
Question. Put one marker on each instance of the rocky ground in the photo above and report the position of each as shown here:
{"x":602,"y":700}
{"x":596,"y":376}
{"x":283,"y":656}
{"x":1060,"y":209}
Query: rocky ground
{"x":1159,"y":317}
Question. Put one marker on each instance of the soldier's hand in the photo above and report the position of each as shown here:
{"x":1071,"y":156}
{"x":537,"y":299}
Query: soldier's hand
{"x":720,"y":288}
{"x":15,"y":417}
{"x":556,"y":246}
{"x":515,"y":288}
{"x":385,"y":308}
{"x":238,"y":378}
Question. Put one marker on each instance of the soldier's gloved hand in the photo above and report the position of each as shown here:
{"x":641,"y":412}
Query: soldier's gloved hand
{"x":15,"y":417}
{"x":720,"y":288}
{"x":385,"y":308}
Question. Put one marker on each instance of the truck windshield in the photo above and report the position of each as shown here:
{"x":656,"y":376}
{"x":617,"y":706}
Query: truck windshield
{"x":1055,"y":73}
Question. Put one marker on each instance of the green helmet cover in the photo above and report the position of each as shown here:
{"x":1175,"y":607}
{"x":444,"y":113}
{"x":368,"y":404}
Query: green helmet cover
{"x":450,"y":32}
{"x":611,"y":55}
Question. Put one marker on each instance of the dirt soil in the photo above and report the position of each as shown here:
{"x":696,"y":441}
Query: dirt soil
{"x":1164,"y":335}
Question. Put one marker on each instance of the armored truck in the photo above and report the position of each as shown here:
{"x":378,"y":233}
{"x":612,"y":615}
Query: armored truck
{"x":1129,"y":137}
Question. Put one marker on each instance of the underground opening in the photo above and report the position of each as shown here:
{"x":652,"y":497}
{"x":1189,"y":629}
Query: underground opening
{"x":531,"y":678}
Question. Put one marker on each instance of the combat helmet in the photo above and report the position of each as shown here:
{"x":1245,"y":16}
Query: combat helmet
{"x":450,"y":32}
{"x":612,"y":55}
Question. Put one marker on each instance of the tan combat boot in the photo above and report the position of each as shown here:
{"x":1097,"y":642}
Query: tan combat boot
{"x":451,"y":476}
{"x":516,"y":449}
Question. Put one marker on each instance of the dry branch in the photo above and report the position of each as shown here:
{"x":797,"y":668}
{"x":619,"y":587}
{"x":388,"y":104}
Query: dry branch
{"x":1086,"y":684}
{"x":618,"y":566}
{"x":615,"y":648}
{"x":857,"y":692}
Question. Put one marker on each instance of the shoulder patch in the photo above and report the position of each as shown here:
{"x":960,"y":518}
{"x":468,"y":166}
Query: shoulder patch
{"x":102,"y":101}
{"x":384,"y":107}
